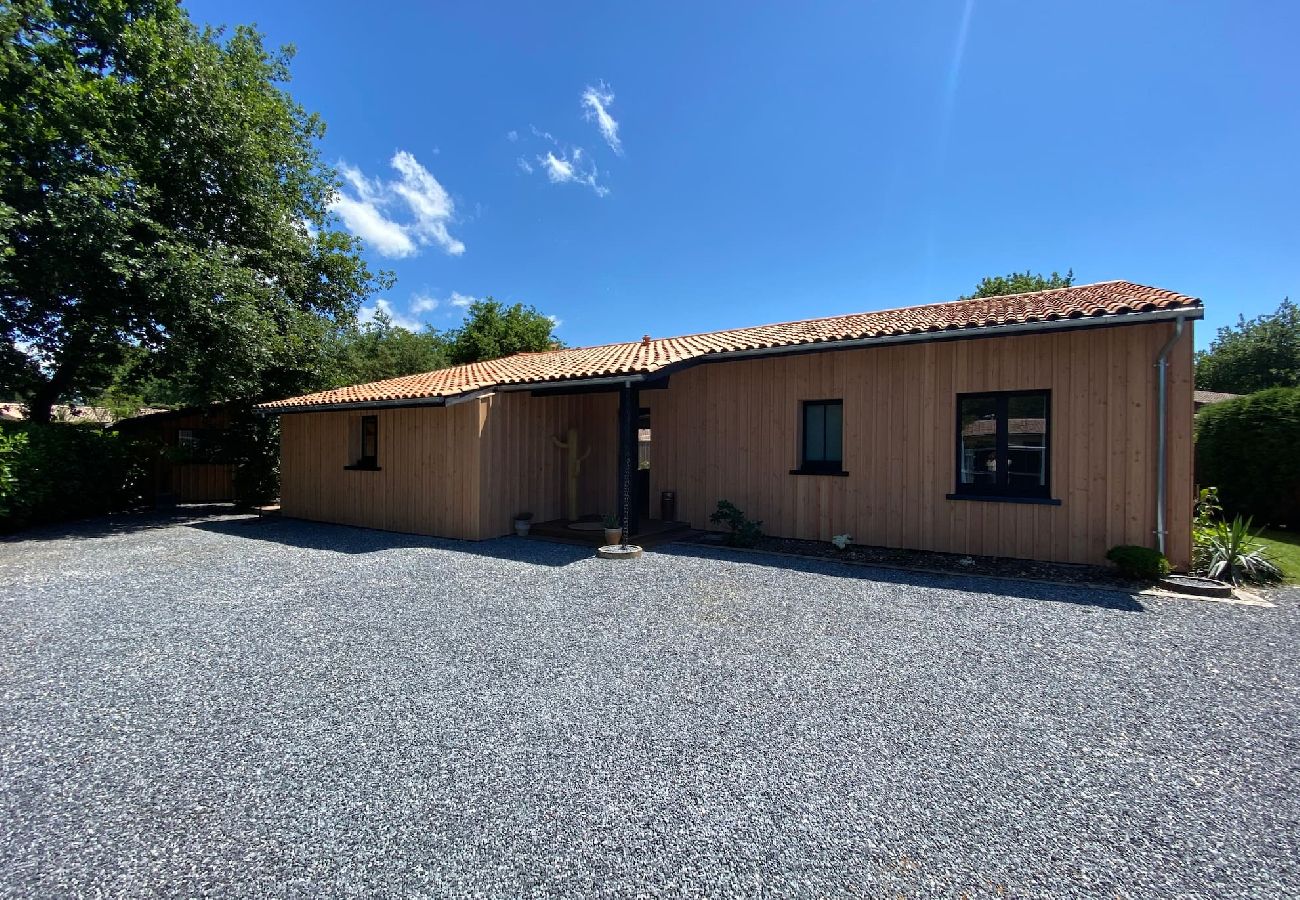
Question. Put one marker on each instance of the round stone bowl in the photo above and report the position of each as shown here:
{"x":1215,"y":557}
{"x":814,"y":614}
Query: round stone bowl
{"x":619,"y":551}
{"x":1194,"y":584}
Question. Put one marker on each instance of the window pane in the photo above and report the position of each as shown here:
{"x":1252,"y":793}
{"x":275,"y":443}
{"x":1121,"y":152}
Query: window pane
{"x":814,"y":432}
{"x":1027,"y":441}
{"x":834,"y":432}
{"x":978,"y":441}
{"x":369,"y":437}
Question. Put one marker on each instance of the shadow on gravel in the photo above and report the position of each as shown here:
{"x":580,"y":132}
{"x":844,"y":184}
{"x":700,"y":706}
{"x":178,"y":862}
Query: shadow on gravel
{"x":123,"y":523}
{"x":350,"y":539}
{"x":1105,"y":598}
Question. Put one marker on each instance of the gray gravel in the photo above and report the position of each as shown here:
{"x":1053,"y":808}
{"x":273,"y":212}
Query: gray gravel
{"x":276,"y":708}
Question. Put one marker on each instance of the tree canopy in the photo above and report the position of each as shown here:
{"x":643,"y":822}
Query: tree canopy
{"x":1020,"y":283}
{"x":379,"y":349}
{"x":161,"y":198}
{"x":493,"y":330}
{"x":1254,"y":354}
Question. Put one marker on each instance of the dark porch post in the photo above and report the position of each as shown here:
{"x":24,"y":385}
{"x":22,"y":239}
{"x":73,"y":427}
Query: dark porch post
{"x":629,"y":407}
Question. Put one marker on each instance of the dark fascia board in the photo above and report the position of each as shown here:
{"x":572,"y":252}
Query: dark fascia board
{"x":651,"y":383}
{"x":644,"y":379}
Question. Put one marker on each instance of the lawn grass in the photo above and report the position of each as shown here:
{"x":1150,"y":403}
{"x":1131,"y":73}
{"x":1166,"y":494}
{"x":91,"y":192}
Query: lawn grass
{"x":1283,"y":547}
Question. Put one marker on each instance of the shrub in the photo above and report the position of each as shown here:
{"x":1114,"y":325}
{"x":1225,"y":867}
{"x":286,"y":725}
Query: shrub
{"x":744,"y":532}
{"x":1248,"y":448}
{"x":49,"y":473}
{"x":252,"y":446}
{"x":1229,"y":552}
{"x":1139,"y":563}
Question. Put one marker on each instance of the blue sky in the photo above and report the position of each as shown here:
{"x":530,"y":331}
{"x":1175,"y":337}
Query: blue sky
{"x":672,"y":168}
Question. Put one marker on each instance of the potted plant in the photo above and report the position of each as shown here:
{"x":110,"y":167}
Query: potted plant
{"x":523,"y":522}
{"x":613,"y":531}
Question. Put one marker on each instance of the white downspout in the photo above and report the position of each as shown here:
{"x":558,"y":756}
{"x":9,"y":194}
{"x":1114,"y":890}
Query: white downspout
{"x":1162,"y":438}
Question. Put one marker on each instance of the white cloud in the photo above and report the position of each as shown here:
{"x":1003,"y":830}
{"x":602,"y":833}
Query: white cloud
{"x":361,"y":215}
{"x":428,"y":200}
{"x":423,"y":303}
{"x":558,"y":170}
{"x":556,"y":321}
{"x":368,"y":313}
{"x":525,"y":166}
{"x":563,"y":169}
{"x":365,"y":211}
{"x":597,"y":101}
{"x":512,"y":135}
{"x":462,"y":301}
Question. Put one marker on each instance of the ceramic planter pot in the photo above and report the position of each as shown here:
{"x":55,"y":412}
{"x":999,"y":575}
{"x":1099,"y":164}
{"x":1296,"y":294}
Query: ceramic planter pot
{"x":522,"y":526}
{"x":613,"y":536}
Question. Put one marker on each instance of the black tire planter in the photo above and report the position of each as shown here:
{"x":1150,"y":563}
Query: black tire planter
{"x":1194,"y":584}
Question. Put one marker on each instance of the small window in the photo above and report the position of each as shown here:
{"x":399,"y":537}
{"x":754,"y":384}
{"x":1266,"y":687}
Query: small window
{"x":823,"y":436}
{"x":369,"y":458}
{"x":1002,"y":444}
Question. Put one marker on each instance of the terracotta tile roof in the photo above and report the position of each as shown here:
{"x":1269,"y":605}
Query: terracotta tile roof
{"x":1205,"y":398}
{"x":647,"y":356}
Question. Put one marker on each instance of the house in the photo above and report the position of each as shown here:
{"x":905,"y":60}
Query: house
{"x":71,"y":413}
{"x":1202,"y":399}
{"x":190,"y":467}
{"x":1051,"y":425}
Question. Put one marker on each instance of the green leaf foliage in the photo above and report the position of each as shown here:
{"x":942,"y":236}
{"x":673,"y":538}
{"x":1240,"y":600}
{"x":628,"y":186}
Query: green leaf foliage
{"x":743,"y":532}
{"x":493,"y":330}
{"x":1139,"y":563}
{"x":1248,"y":448}
{"x":49,"y":473}
{"x":1020,"y":283}
{"x":161,"y":194}
{"x":379,"y":349}
{"x":1253,"y":354}
{"x":1230,"y":552}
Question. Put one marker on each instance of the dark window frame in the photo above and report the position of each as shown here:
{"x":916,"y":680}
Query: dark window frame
{"x":819,"y":466}
{"x":370,"y":462}
{"x":1002,"y":490}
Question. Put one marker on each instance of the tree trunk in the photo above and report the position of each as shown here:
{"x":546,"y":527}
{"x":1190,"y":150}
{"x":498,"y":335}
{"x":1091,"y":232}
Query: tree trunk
{"x":40,"y":406}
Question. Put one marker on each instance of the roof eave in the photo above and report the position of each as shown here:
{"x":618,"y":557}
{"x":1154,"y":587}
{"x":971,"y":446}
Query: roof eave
{"x":949,"y":334}
{"x":980,"y":331}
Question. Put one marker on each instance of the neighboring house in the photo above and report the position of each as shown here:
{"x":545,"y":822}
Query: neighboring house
{"x":1202,"y":399}
{"x":1022,"y":426}
{"x":189,"y":468}
{"x":72,"y":413}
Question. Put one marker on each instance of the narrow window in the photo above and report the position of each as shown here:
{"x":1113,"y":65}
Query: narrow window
{"x":369,"y":442}
{"x":823,"y":436}
{"x":1002,"y":444}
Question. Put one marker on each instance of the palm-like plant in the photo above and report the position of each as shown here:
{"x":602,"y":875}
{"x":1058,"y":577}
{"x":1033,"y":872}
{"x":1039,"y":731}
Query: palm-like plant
{"x":1231,"y":553}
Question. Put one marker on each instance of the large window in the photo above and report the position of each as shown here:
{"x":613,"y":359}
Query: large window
{"x":823,"y":437}
{"x":1002,"y":444}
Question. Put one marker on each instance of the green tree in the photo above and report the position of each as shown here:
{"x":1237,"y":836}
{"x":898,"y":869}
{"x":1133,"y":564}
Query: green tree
{"x":379,"y":349}
{"x":493,"y":330}
{"x":1020,"y":283}
{"x":1254,"y":354}
{"x":1247,"y":449}
{"x":160,"y":191}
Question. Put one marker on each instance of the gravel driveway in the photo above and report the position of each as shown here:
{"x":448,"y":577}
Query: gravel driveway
{"x":249,"y":707}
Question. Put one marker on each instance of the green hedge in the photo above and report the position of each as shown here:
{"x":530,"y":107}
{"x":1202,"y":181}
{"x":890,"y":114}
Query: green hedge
{"x":1249,"y":448}
{"x":50,"y":473}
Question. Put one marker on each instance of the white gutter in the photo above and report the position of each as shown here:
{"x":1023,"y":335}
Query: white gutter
{"x":1162,"y":437}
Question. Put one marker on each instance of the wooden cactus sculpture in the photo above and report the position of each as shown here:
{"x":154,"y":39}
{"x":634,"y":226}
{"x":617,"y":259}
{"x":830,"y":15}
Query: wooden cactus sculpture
{"x":575,"y":467}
